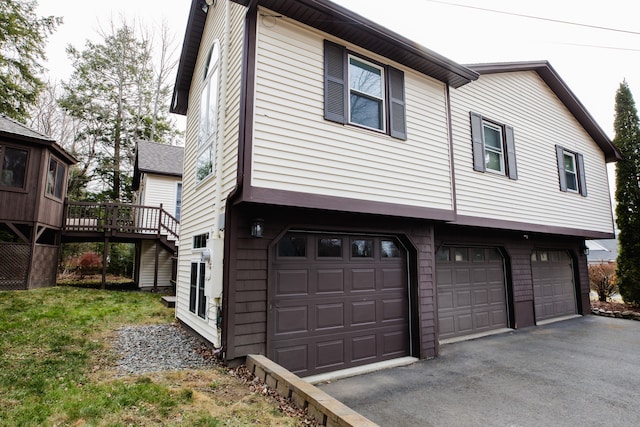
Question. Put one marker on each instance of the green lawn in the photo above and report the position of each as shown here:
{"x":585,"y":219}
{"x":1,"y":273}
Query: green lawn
{"x":56,"y":368}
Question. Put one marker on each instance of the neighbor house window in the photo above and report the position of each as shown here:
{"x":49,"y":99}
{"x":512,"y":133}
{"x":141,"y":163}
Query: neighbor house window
{"x":208,"y":125}
{"x":197,"y":298}
{"x":361,"y":92}
{"x":13,"y":168}
{"x":493,"y":147}
{"x":178,"y":200}
{"x":55,"y":178}
{"x":571,"y":173}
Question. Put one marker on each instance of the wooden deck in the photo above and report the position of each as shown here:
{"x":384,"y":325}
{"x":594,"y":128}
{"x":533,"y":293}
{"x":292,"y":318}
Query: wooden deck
{"x":119,"y":222}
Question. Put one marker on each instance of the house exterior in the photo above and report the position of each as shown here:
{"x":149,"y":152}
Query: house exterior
{"x":33,"y":185}
{"x":157,"y":181}
{"x":352,"y":197}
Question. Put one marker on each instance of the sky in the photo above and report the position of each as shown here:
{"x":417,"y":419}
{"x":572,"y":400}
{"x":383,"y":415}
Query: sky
{"x":592,"y":61}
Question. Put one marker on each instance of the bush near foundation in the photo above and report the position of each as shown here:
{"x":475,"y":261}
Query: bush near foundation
{"x":602,"y":279}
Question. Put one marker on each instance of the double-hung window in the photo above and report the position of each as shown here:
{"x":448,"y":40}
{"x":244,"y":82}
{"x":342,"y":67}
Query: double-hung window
{"x":493,"y":147}
{"x":571,"y":173}
{"x":207,"y":131}
{"x":13,"y":167}
{"x":362,"y":92}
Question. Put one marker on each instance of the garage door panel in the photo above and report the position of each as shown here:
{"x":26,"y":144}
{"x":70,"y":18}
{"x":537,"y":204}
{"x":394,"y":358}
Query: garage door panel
{"x":363,"y":279}
{"x":462,"y":276}
{"x":465,"y":323}
{"x":292,"y":282}
{"x":553,"y":284}
{"x":330,"y":281}
{"x":463,"y":299}
{"x":481,"y":320}
{"x":480,"y":297}
{"x":342,"y":312}
{"x":445,"y":300}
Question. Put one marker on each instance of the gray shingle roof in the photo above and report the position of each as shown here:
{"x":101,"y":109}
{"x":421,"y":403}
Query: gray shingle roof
{"x":11,"y":127}
{"x":157,"y":158}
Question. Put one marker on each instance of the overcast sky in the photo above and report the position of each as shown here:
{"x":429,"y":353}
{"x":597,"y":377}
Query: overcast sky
{"x":591,"y":61}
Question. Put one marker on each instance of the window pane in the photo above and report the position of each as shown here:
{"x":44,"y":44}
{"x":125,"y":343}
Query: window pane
{"x":59,"y":181}
{"x":443,"y":254}
{"x":330,"y":248}
{"x":461,"y":254}
{"x":204,"y":122}
{"x":14,"y":166}
{"x":292,"y":246}
{"x":51,"y":176}
{"x":569,"y":163}
{"x":477,"y":254}
{"x":202,"y":299}
{"x":493,"y":160}
{"x":178,"y":200}
{"x":493,"y":137}
{"x":212,"y":115}
{"x":192,"y":287}
{"x":362,"y":248}
{"x":494,"y":255}
{"x":204,"y":165}
{"x":366,"y":111}
{"x":572,"y":181}
{"x":365,"y":78}
{"x":543,"y":256}
{"x":389,"y":249}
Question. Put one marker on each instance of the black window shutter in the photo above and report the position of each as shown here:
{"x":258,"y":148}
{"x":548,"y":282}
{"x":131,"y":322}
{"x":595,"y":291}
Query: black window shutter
{"x":477,"y":139}
{"x":512,"y":168}
{"x":581,"y":175}
{"x":397,"y":108}
{"x":561,"y":173}
{"x":335,"y":82}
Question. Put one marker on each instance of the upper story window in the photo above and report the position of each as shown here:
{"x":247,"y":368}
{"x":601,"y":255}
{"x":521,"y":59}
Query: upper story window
{"x":208,"y":125}
{"x":178,"y":200}
{"x":13,"y":169}
{"x":362,"y":92}
{"x":55,"y":178}
{"x":493,"y":147}
{"x":571,"y":173}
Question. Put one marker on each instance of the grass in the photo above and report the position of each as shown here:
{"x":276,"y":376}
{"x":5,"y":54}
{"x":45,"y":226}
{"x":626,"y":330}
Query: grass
{"x":56,"y":368}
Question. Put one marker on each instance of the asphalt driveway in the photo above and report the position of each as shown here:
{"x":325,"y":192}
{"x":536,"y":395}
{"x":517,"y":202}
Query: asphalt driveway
{"x":579,"y":372}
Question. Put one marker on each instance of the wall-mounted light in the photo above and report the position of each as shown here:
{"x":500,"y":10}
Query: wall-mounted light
{"x":257,"y":227}
{"x":205,"y":4}
{"x":585,"y":250}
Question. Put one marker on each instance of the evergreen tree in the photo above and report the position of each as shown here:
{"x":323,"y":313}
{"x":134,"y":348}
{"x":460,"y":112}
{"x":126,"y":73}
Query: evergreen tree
{"x":627,"y":140}
{"x":23,"y":37}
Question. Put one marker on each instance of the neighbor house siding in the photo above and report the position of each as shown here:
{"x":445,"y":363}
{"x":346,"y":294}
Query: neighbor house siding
{"x":295,"y":149}
{"x":203,"y":201}
{"x":540,"y":122}
{"x":160,"y":189}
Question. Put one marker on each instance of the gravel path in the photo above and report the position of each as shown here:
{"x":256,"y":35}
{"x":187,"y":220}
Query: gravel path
{"x":153,"y":348}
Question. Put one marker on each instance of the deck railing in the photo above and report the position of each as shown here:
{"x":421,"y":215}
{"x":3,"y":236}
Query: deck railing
{"x":120,"y":218}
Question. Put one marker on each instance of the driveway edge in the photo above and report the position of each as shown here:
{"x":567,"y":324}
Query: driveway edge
{"x":325,"y":409}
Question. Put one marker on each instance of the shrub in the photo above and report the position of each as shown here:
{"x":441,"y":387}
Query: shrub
{"x":86,"y":263}
{"x":602,"y":279}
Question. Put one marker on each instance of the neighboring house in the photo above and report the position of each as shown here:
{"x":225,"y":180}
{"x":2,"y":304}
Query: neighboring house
{"x":351,"y":197}
{"x":33,"y":185}
{"x":603,"y":251}
{"x":157,"y":181}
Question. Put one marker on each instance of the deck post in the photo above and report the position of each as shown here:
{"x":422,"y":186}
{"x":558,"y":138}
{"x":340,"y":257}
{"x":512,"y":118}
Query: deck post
{"x":105,"y":256}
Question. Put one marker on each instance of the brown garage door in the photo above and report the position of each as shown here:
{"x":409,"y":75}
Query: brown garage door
{"x":553,"y":284}
{"x":471,"y":291}
{"x":337,"y":301}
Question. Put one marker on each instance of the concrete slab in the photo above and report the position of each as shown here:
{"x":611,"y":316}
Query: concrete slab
{"x":582,"y":371}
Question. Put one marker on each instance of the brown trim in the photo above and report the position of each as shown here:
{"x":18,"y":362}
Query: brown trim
{"x":247,"y":100}
{"x":528,"y":227}
{"x":562,"y":91}
{"x":452,"y":166}
{"x":344,"y":204}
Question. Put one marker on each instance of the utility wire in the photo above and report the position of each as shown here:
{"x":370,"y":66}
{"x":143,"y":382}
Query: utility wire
{"x":559,"y":21}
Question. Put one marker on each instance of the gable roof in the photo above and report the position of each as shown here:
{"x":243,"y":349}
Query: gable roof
{"x":562,"y":91}
{"x":331,"y":18}
{"x":15,"y":131}
{"x":161,"y":159}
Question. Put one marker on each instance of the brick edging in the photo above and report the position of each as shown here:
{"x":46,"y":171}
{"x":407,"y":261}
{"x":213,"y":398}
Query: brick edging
{"x":325,"y":409}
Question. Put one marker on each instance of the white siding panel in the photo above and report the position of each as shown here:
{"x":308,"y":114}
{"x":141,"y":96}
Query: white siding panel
{"x":147,"y":265}
{"x":161,"y":189}
{"x":540,"y":121}
{"x":295,"y":149}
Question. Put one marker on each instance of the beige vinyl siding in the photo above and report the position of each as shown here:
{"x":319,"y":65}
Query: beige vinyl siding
{"x":147,"y":265}
{"x":540,"y":121}
{"x":160,"y":189}
{"x":199,"y":209}
{"x":295,"y":149}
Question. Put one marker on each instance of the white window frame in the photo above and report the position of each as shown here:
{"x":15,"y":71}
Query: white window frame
{"x":382,"y":99}
{"x":178,"y":210}
{"x":576,"y":179}
{"x":487,"y":148}
{"x":208,"y":121}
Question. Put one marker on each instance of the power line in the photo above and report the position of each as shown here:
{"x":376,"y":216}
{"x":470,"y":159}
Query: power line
{"x":599,"y":47}
{"x":521,"y":15}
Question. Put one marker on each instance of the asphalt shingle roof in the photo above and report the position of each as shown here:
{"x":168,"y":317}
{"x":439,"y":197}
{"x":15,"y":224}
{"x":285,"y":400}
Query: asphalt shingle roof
{"x":163,"y":159}
{"x":11,"y":127}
